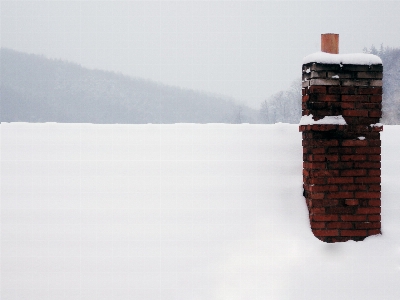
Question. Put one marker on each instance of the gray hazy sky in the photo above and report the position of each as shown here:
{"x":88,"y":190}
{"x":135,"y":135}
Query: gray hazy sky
{"x":243,"y":49}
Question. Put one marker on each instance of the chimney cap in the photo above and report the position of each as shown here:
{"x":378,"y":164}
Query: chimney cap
{"x":330,"y":43}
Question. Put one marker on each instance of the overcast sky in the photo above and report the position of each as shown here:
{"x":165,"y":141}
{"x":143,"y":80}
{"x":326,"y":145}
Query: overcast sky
{"x":243,"y":49}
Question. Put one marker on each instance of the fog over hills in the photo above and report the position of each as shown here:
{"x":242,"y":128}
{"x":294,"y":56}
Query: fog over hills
{"x":37,"y":89}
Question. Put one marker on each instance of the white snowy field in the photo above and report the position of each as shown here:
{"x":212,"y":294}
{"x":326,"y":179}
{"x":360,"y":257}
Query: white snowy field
{"x":180,"y":211}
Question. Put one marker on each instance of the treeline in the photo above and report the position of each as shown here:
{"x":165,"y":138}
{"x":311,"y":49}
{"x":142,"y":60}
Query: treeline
{"x":391,"y":83}
{"x":37,"y":89}
{"x":285,"y":106}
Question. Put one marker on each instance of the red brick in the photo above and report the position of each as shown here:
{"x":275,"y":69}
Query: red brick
{"x":356,"y":218}
{"x":351,"y":202}
{"x":348,"y":90}
{"x":329,"y":98}
{"x":317,"y":210}
{"x":314,"y":165}
{"x":374,"y":187}
{"x":324,"y":173}
{"x":368,"y":195}
{"x":317,"y":196}
{"x":376,"y":98}
{"x":331,"y":232}
{"x":374,"y":202}
{"x":374,"y":172}
{"x":333,"y":150}
{"x":368,"y":225}
{"x":357,"y":98}
{"x":370,"y":106}
{"x":367,"y":121}
{"x":375,"y":113}
{"x":375,"y":157}
{"x":367,"y":165}
{"x":318,"y":225}
{"x":316,"y":157}
{"x":330,"y":202}
{"x":326,"y":127}
{"x":340,"y":165}
{"x":305,"y":128}
{"x":318,"y":150}
{"x":340,"y":195}
{"x":353,"y":157}
{"x":353,"y":187}
{"x":325,"y":217}
{"x":354,"y":172}
{"x":374,"y":231}
{"x":340,"y":150}
{"x":340,"y":210}
{"x":368,"y":150}
{"x":347,"y":105}
{"x":339,"y":225}
{"x":317,"y":203}
{"x":320,"y":98}
{"x":355,"y":113}
{"x":373,"y":218}
{"x":324,"y":188}
{"x":305,"y":98}
{"x":324,"y":143}
{"x":315,"y":180}
{"x":353,"y":233}
{"x":368,"y":210}
{"x":374,"y":143}
{"x":366,"y":180}
{"x":332,"y":157}
{"x":370,"y":90}
{"x":354,"y":143}
{"x":334,"y":90}
{"x":335,"y":180}
{"x":317,"y":89}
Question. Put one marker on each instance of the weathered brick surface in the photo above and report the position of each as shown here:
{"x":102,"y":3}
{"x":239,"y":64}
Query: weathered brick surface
{"x":341,"y":168}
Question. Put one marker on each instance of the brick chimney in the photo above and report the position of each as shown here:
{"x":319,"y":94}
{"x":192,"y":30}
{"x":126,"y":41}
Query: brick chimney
{"x":341,"y":108}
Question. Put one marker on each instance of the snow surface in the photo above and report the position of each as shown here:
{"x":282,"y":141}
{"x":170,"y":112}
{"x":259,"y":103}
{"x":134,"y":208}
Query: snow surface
{"x":352,"y":58}
{"x":332,"y":120}
{"x":181,"y":211}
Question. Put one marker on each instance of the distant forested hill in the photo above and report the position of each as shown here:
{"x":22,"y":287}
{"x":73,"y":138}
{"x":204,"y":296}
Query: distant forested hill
{"x":37,"y":89}
{"x":285,"y":106}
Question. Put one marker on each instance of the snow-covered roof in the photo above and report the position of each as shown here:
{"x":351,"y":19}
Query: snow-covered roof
{"x":331,"y":120}
{"x":351,"y":59}
{"x":205,"y":211}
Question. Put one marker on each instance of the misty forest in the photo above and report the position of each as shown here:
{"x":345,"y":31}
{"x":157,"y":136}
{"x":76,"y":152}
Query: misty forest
{"x":37,"y":89}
